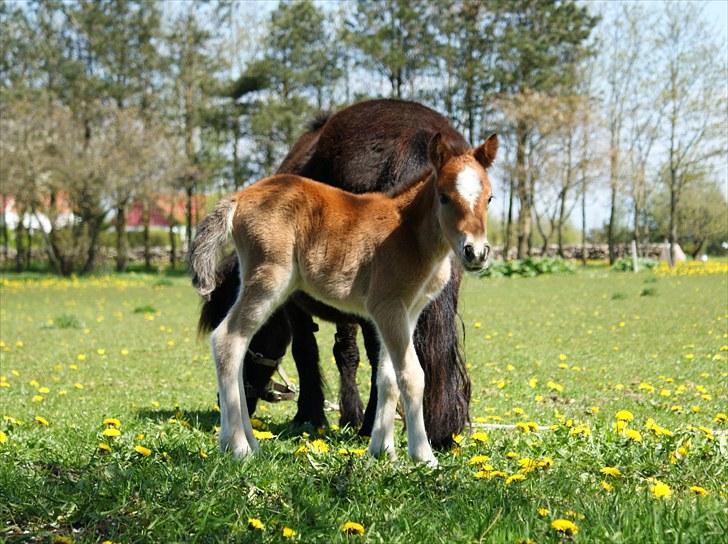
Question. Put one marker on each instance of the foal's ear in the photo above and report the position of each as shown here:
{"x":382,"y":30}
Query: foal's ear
{"x":439,"y":151}
{"x":485,"y":154}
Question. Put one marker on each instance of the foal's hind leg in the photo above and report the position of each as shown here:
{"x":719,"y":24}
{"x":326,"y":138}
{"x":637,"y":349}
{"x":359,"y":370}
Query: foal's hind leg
{"x":266,"y":287}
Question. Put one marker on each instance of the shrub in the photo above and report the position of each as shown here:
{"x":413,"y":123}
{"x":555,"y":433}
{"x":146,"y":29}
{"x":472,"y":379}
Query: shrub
{"x":625,"y":265}
{"x":528,"y":268}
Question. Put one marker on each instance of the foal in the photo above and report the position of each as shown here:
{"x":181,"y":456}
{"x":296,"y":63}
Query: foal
{"x":383,"y":257}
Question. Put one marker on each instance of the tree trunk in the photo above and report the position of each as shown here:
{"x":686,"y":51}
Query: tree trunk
{"x":146,"y":219}
{"x":523,"y":188}
{"x":19,"y":239}
{"x":6,"y":234}
{"x":672,"y":234}
{"x":172,"y":247}
{"x":560,"y":224}
{"x":188,"y":218}
{"x":698,"y":247}
{"x":94,"y":226}
{"x":583,"y":220}
{"x":509,"y":221}
{"x":122,"y":242}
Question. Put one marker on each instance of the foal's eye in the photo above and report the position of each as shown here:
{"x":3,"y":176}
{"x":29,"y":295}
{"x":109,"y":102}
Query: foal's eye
{"x":490,"y":199}
{"x":444,"y":199}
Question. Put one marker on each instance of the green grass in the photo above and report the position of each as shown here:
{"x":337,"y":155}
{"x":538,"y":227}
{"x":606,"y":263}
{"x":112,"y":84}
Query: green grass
{"x":557,"y":350}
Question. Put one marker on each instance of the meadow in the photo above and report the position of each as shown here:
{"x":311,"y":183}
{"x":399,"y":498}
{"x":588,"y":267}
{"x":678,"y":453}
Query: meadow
{"x":616,"y":384}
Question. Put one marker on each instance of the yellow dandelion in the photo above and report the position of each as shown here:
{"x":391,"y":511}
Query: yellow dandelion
{"x":3,"y":437}
{"x":352,"y":528}
{"x":111,"y":432}
{"x":611,"y":471}
{"x":320,"y":446}
{"x":103,"y":447}
{"x":624,"y":415}
{"x":581,"y":430}
{"x":720,"y":418}
{"x":661,"y":490}
{"x":203,"y":454}
{"x":562,"y":357}
{"x":289,"y":533}
{"x":125,"y":351}
{"x":111,"y":422}
{"x":543,"y":511}
{"x":81,"y":357}
{"x":457,"y":438}
{"x":44,"y":390}
{"x":254,"y":524}
{"x":606,"y":486}
{"x":701,"y":491}
{"x":545,"y":462}
{"x":478,"y":460}
{"x":512,"y":455}
{"x":262,"y":435}
{"x":37,"y":398}
{"x":302,"y":450}
{"x":141,"y":450}
{"x":480,"y":436}
{"x":41,"y":420}
{"x":565,"y":527}
{"x":518,"y":477}
{"x":256,"y":423}
{"x":101,"y":351}
{"x":78,"y":385}
{"x":633,"y":435}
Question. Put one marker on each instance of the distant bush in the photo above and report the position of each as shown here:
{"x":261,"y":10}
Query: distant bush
{"x":528,"y":268}
{"x":625,"y":265}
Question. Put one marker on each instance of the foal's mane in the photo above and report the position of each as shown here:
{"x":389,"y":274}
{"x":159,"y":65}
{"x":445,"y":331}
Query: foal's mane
{"x":419,"y":145}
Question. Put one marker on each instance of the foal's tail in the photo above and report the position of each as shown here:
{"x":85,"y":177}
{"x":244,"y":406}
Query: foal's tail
{"x":211,"y":233}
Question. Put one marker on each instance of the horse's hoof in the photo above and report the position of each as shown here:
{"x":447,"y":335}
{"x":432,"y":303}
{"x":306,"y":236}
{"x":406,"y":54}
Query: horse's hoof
{"x":237,"y":444}
{"x":379,"y":447}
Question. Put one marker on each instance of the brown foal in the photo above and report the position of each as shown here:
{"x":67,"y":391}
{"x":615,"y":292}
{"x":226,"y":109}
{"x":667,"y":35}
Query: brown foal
{"x":380,"y":256}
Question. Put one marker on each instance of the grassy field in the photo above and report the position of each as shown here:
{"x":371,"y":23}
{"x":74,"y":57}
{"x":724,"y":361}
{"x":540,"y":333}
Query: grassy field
{"x":568,"y":353}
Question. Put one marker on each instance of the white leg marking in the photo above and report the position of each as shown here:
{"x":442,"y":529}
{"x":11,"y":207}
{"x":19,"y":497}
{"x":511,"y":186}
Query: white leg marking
{"x":382,"y":440}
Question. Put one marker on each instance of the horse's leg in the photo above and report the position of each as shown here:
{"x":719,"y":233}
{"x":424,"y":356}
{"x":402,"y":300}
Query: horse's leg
{"x":382,"y":440}
{"x":265,"y":289}
{"x":346,"y":353}
{"x":271,"y":341}
{"x":447,"y":390}
{"x":395,"y":327}
{"x":373,"y":348}
{"x":306,"y":356}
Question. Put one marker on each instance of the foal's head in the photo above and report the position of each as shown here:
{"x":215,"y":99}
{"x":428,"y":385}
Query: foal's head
{"x":464,"y":192}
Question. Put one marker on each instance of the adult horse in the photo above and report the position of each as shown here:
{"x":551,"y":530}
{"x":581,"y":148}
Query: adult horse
{"x":377,"y":145}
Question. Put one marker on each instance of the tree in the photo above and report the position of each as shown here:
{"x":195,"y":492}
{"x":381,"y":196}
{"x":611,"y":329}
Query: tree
{"x":540,"y":45}
{"x":195,"y":66}
{"x":694,"y":102}
{"x":395,"y":39}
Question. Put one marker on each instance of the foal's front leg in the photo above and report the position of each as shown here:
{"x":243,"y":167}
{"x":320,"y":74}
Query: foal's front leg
{"x":402,"y":364}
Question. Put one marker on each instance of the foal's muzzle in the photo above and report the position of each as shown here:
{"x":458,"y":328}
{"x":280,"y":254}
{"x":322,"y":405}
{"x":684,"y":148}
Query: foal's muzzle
{"x":473,"y":259}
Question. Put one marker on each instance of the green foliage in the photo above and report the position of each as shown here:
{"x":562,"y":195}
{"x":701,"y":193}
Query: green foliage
{"x":528,"y":268}
{"x":626,"y":265}
{"x":648,"y":292}
{"x":145,"y":309}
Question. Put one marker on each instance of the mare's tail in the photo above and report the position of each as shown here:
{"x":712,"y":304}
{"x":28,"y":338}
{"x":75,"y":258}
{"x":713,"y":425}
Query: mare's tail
{"x":211,"y":233}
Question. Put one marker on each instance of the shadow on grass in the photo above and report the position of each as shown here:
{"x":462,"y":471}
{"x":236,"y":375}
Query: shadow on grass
{"x":207,"y":420}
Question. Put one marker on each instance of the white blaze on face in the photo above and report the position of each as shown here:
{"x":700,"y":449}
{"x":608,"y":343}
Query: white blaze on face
{"x":469,"y":186}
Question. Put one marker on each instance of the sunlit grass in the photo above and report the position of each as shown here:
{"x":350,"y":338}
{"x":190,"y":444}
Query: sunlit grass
{"x":108,"y":427}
